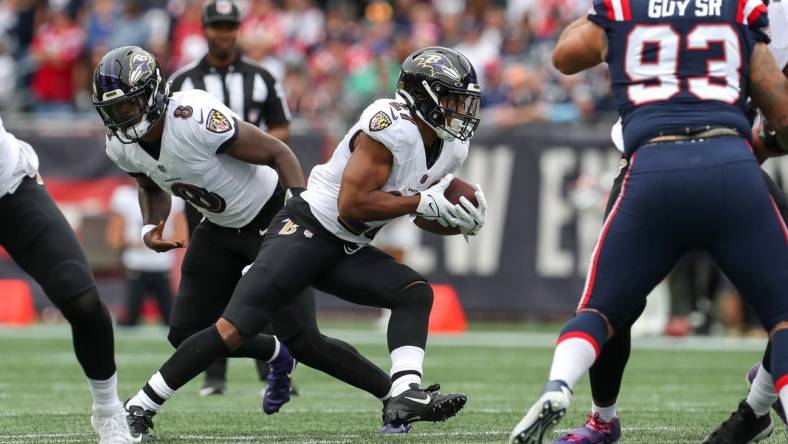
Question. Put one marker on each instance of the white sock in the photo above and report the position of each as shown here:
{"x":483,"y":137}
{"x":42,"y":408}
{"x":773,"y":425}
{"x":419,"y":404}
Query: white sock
{"x":143,"y":400}
{"x":572,"y":357}
{"x":406,"y":358}
{"x":762,"y":394}
{"x":105,"y":395}
{"x":605,"y":413}
{"x":162,"y":390}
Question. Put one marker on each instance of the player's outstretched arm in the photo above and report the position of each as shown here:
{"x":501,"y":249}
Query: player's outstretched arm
{"x":155,"y":206}
{"x":769,"y":90}
{"x":255,"y":146}
{"x":582,"y":45}
{"x":366,"y":172}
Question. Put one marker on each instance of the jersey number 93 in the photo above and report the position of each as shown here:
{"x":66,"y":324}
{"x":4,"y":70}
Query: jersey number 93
{"x":658,"y":79}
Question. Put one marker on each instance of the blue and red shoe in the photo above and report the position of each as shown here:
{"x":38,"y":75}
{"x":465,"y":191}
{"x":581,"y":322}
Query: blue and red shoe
{"x":594,"y":431}
{"x":777,"y":406}
{"x":280,"y":378}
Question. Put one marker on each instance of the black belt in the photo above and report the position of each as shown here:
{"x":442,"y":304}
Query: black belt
{"x":693,"y":134}
{"x":300,"y":208}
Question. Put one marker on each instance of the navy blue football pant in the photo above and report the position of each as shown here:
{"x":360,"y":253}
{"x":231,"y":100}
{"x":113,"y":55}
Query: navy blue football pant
{"x":675,"y":197}
{"x":607,"y":372}
{"x":708,"y":195}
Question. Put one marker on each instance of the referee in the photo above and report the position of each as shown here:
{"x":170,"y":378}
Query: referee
{"x":248,"y":89}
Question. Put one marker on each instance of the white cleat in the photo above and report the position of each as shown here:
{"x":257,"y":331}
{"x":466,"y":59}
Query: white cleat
{"x":536,"y":425}
{"x":112,"y":429}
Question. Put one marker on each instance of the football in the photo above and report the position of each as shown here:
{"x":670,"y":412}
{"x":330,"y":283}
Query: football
{"x":457,"y":188}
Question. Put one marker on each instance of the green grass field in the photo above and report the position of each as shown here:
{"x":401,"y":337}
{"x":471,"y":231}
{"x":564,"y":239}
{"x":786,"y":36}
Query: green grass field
{"x":673,"y":393}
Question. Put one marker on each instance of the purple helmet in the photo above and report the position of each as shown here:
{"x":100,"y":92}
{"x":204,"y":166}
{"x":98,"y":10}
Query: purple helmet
{"x":441,"y":86}
{"x":129,"y":92}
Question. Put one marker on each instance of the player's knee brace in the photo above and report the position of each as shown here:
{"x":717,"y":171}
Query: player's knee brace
{"x":83,"y":306}
{"x":177,"y":335}
{"x":68,"y":281}
{"x":588,"y":325}
{"x":416,"y":294}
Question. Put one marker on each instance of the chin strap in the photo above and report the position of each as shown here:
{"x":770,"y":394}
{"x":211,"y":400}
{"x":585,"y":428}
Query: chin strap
{"x":407,"y":98}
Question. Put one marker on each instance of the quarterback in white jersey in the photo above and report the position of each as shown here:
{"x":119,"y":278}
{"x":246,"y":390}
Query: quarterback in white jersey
{"x":190,"y":145}
{"x":197,"y":129}
{"x":38,"y":238}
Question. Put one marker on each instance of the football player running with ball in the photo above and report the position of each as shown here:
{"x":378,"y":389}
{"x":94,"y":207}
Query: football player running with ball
{"x":395,"y":161}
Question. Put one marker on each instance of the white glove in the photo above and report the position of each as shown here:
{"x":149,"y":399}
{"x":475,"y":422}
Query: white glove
{"x":433,"y":205}
{"x":468,"y":218}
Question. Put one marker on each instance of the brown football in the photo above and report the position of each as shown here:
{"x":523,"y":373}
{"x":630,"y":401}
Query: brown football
{"x":456,"y":189}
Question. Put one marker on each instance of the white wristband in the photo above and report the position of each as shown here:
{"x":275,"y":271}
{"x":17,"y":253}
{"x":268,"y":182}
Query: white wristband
{"x":147,"y":229}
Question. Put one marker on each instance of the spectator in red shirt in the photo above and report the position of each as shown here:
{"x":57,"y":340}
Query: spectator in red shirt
{"x":188,"y":41}
{"x":57,"y":46}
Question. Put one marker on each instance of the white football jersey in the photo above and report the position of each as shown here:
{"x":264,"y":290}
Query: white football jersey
{"x":17,"y":161}
{"x":191,"y":164}
{"x":389,"y":122}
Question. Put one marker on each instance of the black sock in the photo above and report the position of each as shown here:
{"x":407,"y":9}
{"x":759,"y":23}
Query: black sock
{"x":608,"y":371}
{"x":91,"y":334}
{"x":193,"y":356}
{"x":410,"y":317}
{"x":767,"y":357}
{"x":340,"y":360}
{"x":260,"y":347}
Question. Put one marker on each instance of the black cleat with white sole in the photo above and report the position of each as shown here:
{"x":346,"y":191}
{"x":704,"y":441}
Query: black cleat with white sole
{"x":140,"y":423}
{"x":544,"y":414}
{"x":743,"y":427}
{"x":417,"y":404}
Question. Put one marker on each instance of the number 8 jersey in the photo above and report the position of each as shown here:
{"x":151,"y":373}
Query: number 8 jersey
{"x":191,"y":163}
{"x":680,"y":65}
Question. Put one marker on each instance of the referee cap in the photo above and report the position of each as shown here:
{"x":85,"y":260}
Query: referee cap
{"x":216,"y":11}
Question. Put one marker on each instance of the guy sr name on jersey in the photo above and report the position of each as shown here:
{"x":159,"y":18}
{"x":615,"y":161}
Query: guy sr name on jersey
{"x":668,"y":8}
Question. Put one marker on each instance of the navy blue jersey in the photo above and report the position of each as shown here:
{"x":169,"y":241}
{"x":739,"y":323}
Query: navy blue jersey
{"x":678,"y":65}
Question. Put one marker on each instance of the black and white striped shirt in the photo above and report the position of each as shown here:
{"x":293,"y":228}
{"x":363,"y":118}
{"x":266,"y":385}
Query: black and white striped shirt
{"x":244,"y":86}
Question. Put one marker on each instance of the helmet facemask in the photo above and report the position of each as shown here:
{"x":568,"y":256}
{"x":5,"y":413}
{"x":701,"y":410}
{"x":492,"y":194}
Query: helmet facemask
{"x":452,"y":112}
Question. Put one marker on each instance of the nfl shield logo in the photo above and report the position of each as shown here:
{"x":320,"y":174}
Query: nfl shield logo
{"x":162,"y":169}
{"x":424,"y":178}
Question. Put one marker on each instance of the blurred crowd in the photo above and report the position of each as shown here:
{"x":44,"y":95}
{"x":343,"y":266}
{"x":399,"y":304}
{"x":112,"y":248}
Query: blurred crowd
{"x":331,"y":56}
